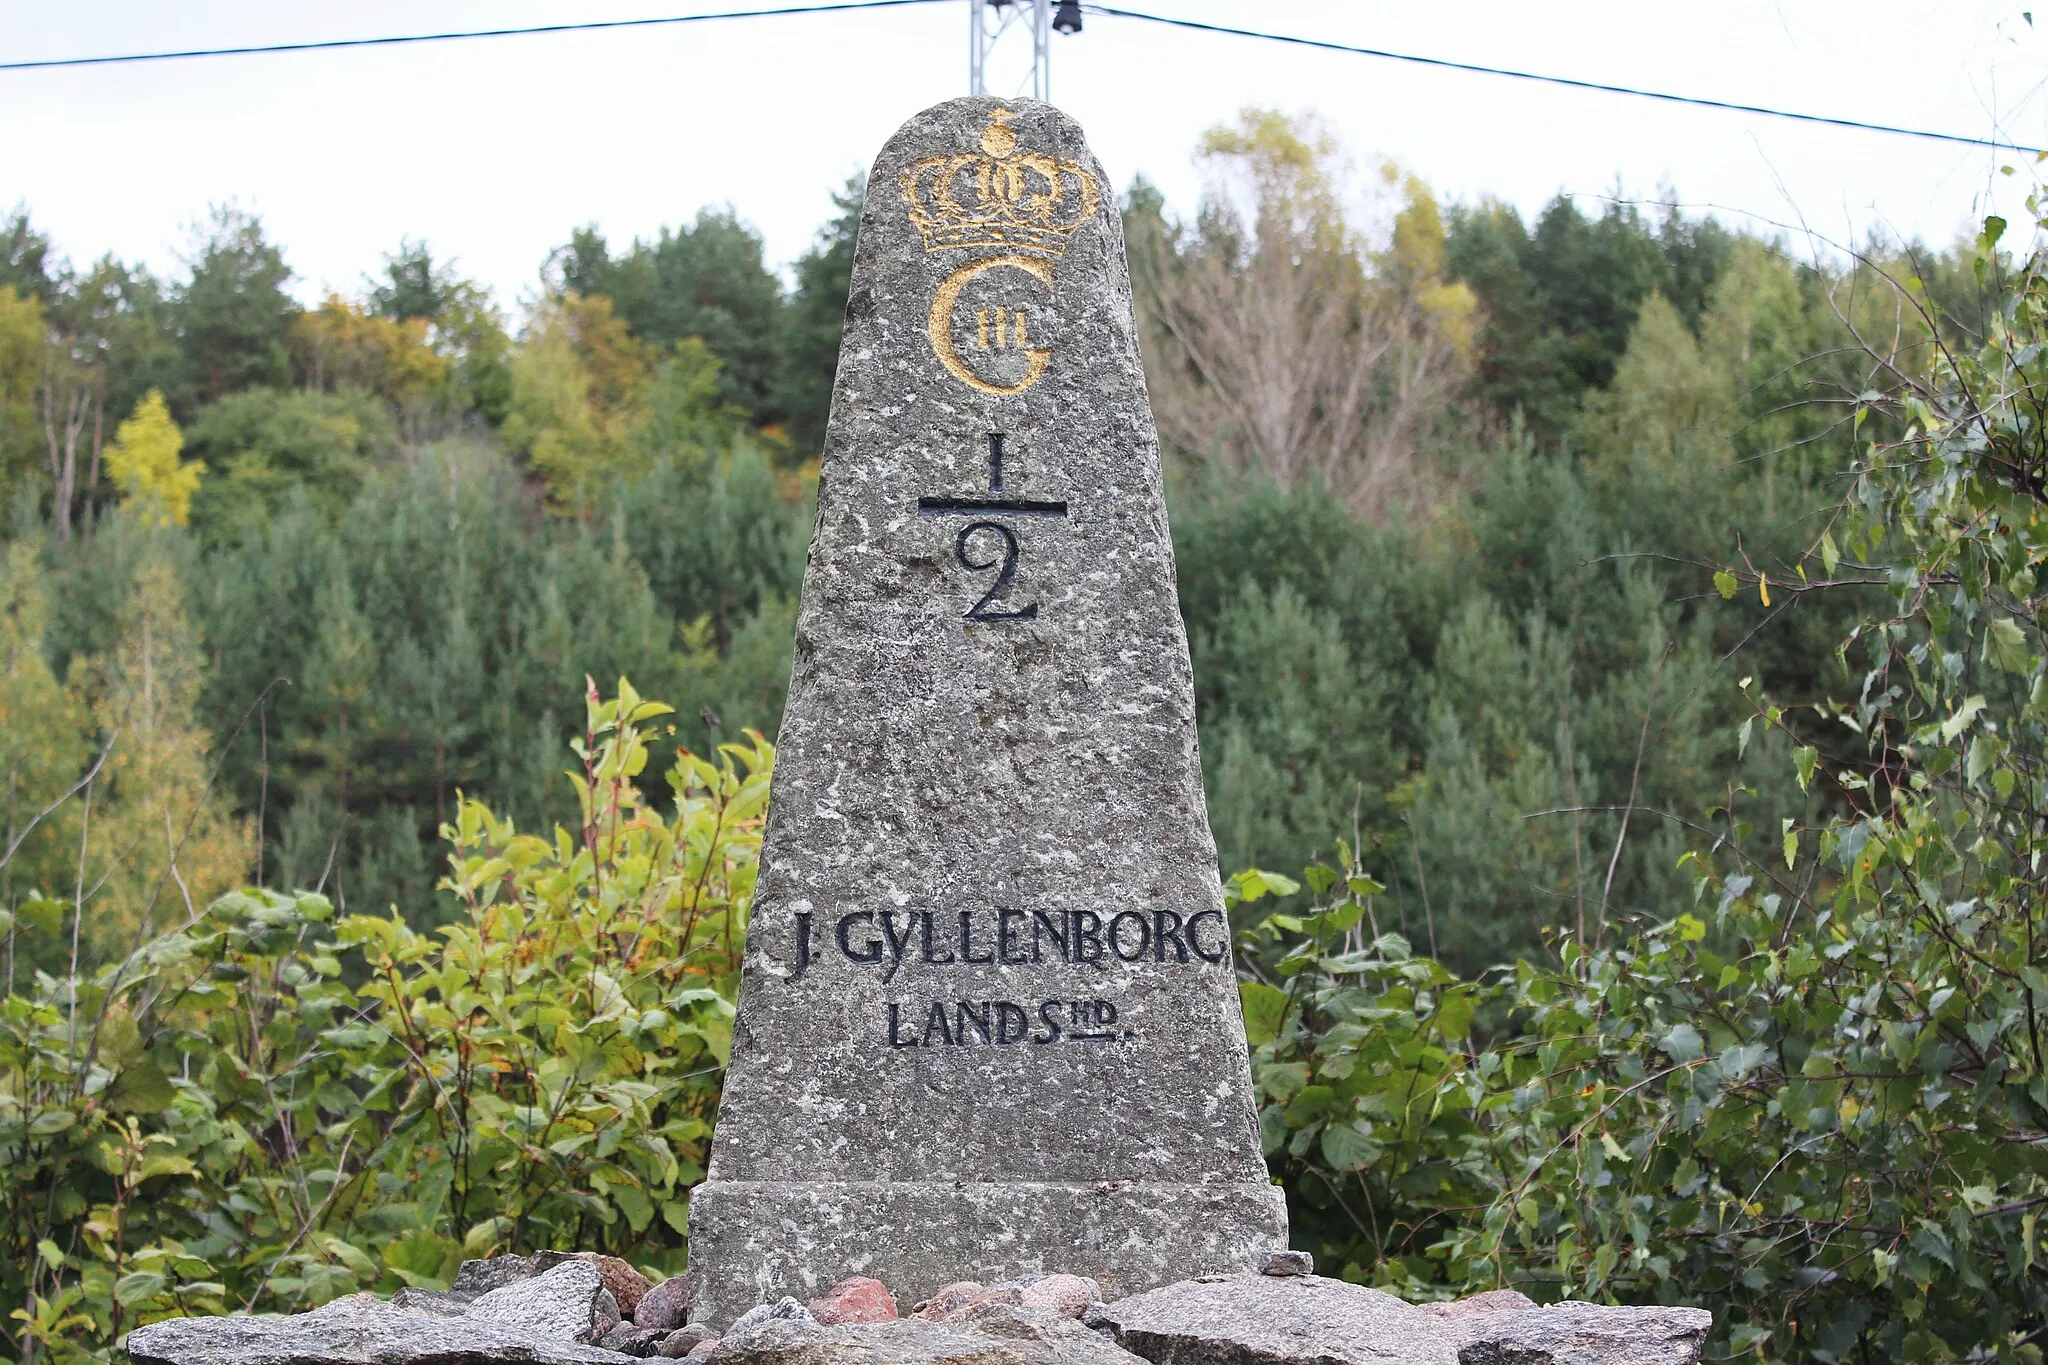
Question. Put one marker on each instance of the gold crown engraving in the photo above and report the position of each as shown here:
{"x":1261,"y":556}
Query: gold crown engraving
{"x":999,"y":198}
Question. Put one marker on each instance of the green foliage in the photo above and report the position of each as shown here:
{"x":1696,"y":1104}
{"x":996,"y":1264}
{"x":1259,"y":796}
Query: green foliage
{"x":813,"y":322}
{"x":1533,"y":688}
{"x":463,"y":325}
{"x":706,"y":281}
{"x":273,"y":1105}
{"x":1560,"y":301}
{"x":42,"y":740}
{"x":25,"y":256}
{"x":267,"y":447}
{"x":233,"y":315}
{"x":1813,"y":1100}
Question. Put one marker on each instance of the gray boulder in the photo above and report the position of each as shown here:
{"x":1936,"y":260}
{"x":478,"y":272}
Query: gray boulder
{"x":999,"y":1334}
{"x":1274,"y":1320}
{"x":565,"y":1303}
{"x":1281,"y":1319}
{"x":784,"y":1309}
{"x":1578,"y":1334}
{"x":357,"y":1330}
{"x":481,"y":1277}
{"x":626,"y":1284}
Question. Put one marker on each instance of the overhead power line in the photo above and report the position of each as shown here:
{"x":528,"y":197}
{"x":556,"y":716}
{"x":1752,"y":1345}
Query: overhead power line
{"x":399,"y":40}
{"x":1668,"y":98}
{"x":1108,"y":11}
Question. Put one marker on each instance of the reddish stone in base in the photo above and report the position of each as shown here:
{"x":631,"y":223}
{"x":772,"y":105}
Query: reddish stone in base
{"x":858,"y":1299}
{"x":1067,"y":1294}
{"x":628,"y":1285}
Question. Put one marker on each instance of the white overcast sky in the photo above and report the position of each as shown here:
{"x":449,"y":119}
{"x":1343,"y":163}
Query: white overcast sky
{"x":494,"y":150}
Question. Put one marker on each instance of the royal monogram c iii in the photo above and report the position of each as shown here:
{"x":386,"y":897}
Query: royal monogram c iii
{"x":1020,"y":210}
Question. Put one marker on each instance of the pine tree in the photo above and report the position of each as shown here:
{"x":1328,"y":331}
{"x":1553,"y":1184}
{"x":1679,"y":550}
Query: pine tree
{"x":812,"y":325}
{"x":234,"y":315}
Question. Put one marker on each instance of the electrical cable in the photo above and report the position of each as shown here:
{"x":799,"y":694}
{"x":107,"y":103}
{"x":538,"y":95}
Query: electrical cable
{"x":1444,"y":62}
{"x":1107,"y":11}
{"x":402,"y":39}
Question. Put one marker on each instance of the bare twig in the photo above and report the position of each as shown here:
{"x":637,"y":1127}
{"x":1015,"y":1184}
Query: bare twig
{"x":1634,"y":782}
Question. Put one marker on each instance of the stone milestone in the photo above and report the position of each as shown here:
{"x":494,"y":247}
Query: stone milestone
{"x":988,"y":1024}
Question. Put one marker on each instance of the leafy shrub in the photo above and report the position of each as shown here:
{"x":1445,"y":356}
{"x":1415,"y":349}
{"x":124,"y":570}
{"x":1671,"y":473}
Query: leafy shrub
{"x":1815,"y":1101}
{"x":270,"y":1107}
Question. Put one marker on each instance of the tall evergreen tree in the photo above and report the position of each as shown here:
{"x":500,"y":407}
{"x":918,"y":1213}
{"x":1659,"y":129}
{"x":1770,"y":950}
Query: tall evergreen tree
{"x":161,"y":837}
{"x":415,"y":285}
{"x":233,"y":315}
{"x":813,"y":322}
{"x":1559,"y":301}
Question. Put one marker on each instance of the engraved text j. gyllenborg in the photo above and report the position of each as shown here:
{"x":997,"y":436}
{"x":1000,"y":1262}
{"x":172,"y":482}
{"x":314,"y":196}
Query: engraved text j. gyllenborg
{"x":889,"y":941}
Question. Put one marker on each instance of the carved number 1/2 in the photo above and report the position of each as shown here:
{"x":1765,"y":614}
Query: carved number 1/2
{"x":1007,"y":558}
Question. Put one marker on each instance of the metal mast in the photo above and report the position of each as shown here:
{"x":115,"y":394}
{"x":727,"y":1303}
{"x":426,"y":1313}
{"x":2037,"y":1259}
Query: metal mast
{"x":989,"y":20}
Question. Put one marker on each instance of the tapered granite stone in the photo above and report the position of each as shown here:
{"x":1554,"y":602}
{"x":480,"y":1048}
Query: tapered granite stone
{"x":988,"y":1023}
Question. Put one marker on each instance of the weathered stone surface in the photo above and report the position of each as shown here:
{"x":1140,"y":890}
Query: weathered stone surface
{"x":1000,"y":1318}
{"x":953,"y":1300}
{"x":757,"y":1318}
{"x":683,"y":1340}
{"x":974,"y":1229}
{"x":626,"y":1284}
{"x":481,"y":1277}
{"x":778,"y":1338}
{"x":566,"y":1303}
{"x":358,"y":1330}
{"x":1492,"y":1301}
{"x":1289,"y":1263}
{"x":665,"y":1305}
{"x":1069,"y":1295}
{"x":988,"y":1023}
{"x":430,"y":1302}
{"x":703,"y":1349}
{"x":1579,"y":1334}
{"x":1008,"y":1336}
{"x":855,"y":1299}
{"x":1277,"y":1320}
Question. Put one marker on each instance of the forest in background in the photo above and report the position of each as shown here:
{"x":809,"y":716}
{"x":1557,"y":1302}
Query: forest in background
{"x":1449,"y":494}
{"x":1631,"y":631}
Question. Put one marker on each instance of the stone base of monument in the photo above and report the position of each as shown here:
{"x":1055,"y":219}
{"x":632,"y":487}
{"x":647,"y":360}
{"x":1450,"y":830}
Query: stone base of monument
{"x":504,"y":1313}
{"x":1275,"y":1320}
{"x":760,"y":1240}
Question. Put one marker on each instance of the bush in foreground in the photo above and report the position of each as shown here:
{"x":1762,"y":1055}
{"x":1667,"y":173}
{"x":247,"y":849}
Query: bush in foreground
{"x":270,"y":1107}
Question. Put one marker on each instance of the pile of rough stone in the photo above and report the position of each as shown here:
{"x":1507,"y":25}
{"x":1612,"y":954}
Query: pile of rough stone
{"x":559,"y":1308}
